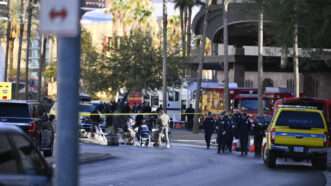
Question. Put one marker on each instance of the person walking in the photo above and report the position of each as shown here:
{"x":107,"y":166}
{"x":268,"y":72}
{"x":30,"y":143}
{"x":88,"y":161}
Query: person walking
{"x":209,"y":127}
{"x":229,"y":127}
{"x":164,"y":127}
{"x":243,"y":129}
{"x":189,"y":117}
{"x":259,"y":133}
{"x":220,"y":134}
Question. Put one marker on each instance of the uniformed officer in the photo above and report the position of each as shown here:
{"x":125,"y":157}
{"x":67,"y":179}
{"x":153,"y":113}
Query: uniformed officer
{"x":243,"y":130}
{"x":258,"y":131}
{"x":221,"y":143}
{"x":229,"y":127}
{"x":209,"y":128}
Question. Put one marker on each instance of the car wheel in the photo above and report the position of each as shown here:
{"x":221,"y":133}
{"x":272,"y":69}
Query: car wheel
{"x":269,"y":158}
{"x":320,"y":163}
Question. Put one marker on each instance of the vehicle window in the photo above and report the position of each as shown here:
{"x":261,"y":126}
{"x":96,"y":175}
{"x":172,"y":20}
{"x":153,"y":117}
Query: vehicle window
{"x":299,"y":119}
{"x":14,"y":110}
{"x":31,"y":161}
{"x":8,"y":159}
{"x":252,"y":104}
{"x":86,"y":108}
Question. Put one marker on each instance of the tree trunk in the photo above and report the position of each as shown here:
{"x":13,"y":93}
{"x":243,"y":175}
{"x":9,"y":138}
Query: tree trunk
{"x":189,"y":32}
{"x":185,"y":30}
{"x":18,"y":70}
{"x":42,"y":62}
{"x":260,"y":64}
{"x":201,"y":61}
{"x":226,"y":61}
{"x":182,"y":30}
{"x":296,"y":61}
{"x":7,"y":42}
{"x":164,"y":55}
{"x":29,"y":27}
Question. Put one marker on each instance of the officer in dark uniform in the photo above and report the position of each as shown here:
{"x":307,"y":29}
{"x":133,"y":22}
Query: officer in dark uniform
{"x":228,"y":124}
{"x":259,"y":132}
{"x":220,"y":134}
{"x":243,"y":130}
{"x":209,"y":127}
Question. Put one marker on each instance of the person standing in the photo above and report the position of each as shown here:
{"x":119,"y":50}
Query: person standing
{"x":228,"y":125}
{"x":209,"y":127}
{"x":258,"y":131}
{"x":189,"y":116}
{"x":243,"y":129}
{"x":164,"y":127}
{"x":220,"y":134}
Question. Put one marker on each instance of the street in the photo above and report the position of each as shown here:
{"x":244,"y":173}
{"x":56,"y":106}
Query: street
{"x":189,"y":165}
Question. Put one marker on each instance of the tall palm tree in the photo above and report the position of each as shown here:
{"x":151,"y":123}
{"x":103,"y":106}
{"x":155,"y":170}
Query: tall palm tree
{"x":164,"y":54}
{"x":19,"y":55}
{"x":201,"y":61}
{"x":181,"y":4}
{"x":190,"y":4}
{"x":29,"y":27}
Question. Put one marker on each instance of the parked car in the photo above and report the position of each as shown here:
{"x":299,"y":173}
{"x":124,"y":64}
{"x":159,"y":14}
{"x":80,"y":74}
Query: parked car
{"x":31,"y":118}
{"x":21,"y":163}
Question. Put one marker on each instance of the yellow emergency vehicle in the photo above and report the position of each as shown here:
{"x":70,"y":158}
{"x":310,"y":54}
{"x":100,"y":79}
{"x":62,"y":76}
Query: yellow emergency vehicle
{"x":299,"y":133}
{"x":6,"y":90}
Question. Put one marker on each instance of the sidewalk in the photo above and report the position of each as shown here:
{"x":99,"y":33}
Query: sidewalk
{"x":85,"y":158}
{"x":187,"y":137}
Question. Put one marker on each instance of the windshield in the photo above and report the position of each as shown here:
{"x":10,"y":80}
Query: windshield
{"x":14,"y":110}
{"x":86,"y":108}
{"x":252,"y":104}
{"x":300,"y":119}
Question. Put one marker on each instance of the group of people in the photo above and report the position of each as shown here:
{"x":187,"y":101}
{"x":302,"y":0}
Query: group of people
{"x":229,"y":126}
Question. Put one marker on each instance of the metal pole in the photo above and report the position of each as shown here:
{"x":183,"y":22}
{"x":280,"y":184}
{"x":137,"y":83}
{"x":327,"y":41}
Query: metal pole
{"x":226,"y":62}
{"x":18,"y":70}
{"x":66,"y":158}
{"x":28,"y":50}
{"x":296,"y":61}
{"x":260,"y":64}
{"x":42,"y":60}
{"x":164,"y":56}
{"x":7,"y":42}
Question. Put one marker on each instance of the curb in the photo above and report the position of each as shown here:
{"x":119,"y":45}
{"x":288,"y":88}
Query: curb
{"x":86,"y":158}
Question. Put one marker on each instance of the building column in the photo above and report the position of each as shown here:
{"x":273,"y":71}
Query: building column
{"x":239,"y":74}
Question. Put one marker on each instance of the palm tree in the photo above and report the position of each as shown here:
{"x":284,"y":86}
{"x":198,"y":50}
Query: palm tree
{"x":190,"y":4}
{"x":18,"y":70}
{"x":181,"y":4}
{"x":201,"y":61}
{"x":29,"y":27}
{"x":164,"y":54}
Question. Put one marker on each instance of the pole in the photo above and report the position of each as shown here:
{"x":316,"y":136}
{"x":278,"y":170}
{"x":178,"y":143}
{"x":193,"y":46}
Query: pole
{"x":28,"y":50}
{"x":66,"y":173}
{"x":202,"y":60}
{"x":226,"y":62}
{"x":164,"y":56}
{"x":260,"y":64}
{"x":18,"y":70}
{"x":7,"y":41}
{"x":296,"y":61}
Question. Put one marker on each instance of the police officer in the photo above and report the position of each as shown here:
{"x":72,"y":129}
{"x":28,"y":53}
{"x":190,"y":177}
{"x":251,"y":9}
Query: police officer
{"x":258,"y":131}
{"x":243,"y":130}
{"x":228,"y":123}
{"x":220,"y":134}
{"x":209,"y":127}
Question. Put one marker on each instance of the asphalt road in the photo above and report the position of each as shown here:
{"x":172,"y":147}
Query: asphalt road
{"x":185,"y":165}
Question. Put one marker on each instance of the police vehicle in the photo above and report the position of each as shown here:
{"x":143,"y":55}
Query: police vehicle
{"x":299,"y":133}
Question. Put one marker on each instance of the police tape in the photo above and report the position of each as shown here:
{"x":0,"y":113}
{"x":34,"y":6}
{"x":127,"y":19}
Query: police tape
{"x":131,"y":114}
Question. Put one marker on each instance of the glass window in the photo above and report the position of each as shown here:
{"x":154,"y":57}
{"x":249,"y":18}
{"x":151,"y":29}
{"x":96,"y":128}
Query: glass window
{"x":8,"y":159}
{"x":32,"y":162}
{"x":14,"y":110}
{"x":300,"y":119}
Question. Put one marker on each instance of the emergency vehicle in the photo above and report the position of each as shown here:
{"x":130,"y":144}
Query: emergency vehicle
{"x":299,"y":133}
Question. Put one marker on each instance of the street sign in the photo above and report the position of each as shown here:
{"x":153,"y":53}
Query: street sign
{"x":60,"y":17}
{"x":5,"y":90}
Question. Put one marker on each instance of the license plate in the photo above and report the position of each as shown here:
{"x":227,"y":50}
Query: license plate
{"x":298,"y":149}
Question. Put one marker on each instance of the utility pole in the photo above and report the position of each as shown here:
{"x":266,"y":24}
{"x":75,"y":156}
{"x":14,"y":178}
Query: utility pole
{"x":296,"y":54}
{"x":200,"y":67}
{"x":28,"y":49}
{"x":18,"y":70}
{"x":164,"y":55}
{"x":7,"y":41}
{"x":226,"y":54}
{"x":260,"y":62}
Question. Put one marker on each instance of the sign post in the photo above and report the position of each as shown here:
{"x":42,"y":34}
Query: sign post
{"x":61,"y":17}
